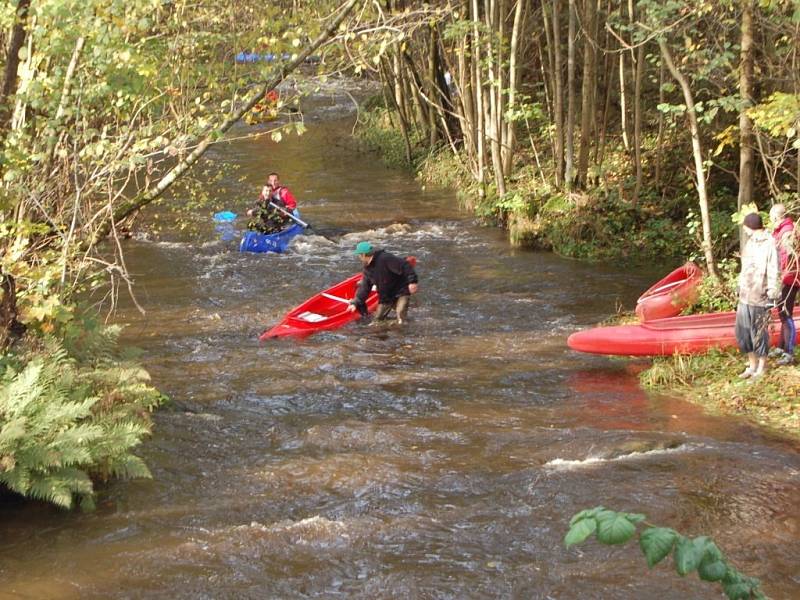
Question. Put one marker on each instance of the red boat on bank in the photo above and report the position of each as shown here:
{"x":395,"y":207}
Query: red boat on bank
{"x":323,"y":311}
{"x":692,"y":334}
{"x":670,"y":295}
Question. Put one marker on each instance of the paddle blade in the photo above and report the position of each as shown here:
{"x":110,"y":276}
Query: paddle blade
{"x":224,"y":216}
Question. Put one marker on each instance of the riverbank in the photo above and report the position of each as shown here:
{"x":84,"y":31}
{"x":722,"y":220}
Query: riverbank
{"x":712,"y":380}
{"x":603,"y":223}
{"x":604,"y":226}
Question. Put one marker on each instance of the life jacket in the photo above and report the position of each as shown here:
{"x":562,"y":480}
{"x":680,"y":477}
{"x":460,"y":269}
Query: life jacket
{"x":276,"y":196}
{"x":788,"y":244}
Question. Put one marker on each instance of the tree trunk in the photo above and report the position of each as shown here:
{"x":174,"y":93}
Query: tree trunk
{"x":433,"y":129}
{"x":65,"y":91}
{"x":660,"y":137}
{"x":588,"y":89}
{"x":697,"y":153}
{"x":746,"y":166}
{"x":558,"y":94}
{"x":494,"y":91}
{"x":623,"y":97}
{"x":10,"y":327}
{"x":477,"y":87}
{"x":569,"y":167}
{"x":513,"y":81}
{"x":608,"y":82}
{"x":548,"y":77}
{"x":15,"y":44}
{"x":637,"y":121}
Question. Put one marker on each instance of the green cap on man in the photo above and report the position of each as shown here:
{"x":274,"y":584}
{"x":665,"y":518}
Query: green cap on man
{"x":363,"y":248}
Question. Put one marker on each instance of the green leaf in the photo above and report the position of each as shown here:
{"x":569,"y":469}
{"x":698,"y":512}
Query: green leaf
{"x":739,"y":590}
{"x":635,"y":517}
{"x":687,"y":556}
{"x":580,"y":531}
{"x":656,"y":543}
{"x":585,"y":514}
{"x":614,"y":528}
{"x":712,"y":570}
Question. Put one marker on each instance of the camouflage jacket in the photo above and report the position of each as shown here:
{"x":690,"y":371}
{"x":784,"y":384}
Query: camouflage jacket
{"x":759,"y":281}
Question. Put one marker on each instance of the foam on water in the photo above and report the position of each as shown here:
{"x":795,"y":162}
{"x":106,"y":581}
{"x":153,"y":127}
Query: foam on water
{"x":563,"y":464}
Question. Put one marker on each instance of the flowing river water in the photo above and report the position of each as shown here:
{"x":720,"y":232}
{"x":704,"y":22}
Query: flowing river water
{"x":441,"y":460}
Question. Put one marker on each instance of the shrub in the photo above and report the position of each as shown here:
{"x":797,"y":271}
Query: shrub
{"x":72,"y":408}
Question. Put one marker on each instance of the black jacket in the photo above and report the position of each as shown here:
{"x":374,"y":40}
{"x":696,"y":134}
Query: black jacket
{"x":391,"y":274}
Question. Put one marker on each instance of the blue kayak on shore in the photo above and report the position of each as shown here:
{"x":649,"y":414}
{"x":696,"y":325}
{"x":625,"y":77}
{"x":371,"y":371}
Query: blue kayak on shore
{"x":253,"y":241}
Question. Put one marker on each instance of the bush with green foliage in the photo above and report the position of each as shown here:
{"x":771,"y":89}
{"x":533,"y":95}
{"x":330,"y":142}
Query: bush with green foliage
{"x":699,"y":554}
{"x":73,"y":406}
{"x":376,"y":131}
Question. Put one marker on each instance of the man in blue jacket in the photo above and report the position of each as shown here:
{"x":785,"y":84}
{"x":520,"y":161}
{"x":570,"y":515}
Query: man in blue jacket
{"x":394,"y":278}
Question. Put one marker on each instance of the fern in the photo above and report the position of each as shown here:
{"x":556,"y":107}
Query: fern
{"x":73,"y":411}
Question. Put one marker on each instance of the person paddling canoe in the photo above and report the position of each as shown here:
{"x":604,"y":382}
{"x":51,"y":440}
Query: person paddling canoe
{"x":394,"y":278}
{"x":268,"y":219}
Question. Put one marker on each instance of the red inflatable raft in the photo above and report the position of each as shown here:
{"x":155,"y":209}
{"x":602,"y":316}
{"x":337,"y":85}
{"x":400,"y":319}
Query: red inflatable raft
{"x":325,"y":310}
{"x":669,"y":296}
{"x":693,"y":334}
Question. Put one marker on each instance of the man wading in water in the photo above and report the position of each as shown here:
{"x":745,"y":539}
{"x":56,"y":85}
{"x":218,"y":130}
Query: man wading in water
{"x":393,"y":276}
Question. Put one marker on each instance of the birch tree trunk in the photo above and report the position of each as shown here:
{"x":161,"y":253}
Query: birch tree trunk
{"x":746,"y":165}
{"x":477,"y":87}
{"x":637,"y":121}
{"x":513,"y":81}
{"x":588,"y":89}
{"x":558,"y":95}
{"x":569,"y":167}
{"x":697,"y":153}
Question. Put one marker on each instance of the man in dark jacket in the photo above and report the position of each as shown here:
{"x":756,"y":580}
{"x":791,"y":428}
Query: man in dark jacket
{"x":393,"y":277}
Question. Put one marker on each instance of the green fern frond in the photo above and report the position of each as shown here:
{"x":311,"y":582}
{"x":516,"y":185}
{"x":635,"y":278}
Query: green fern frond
{"x":73,"y":409}
{"x":130,"y":467}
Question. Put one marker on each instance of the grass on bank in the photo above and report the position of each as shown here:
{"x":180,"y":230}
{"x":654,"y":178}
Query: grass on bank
{"x":712,"y":379}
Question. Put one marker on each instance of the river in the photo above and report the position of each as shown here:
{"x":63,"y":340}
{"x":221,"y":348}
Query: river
{"x":440,"y":460}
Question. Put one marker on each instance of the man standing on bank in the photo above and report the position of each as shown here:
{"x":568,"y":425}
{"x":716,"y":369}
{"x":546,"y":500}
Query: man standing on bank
{"x":759,"y":287}
{"x":394,"y":278}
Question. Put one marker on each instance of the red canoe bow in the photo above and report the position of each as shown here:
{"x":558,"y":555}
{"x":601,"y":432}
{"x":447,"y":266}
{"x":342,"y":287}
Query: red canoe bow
{"x":323,"y":311}
{"x":670,"y":295}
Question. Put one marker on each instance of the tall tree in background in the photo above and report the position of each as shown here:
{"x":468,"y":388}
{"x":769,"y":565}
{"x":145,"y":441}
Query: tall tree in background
{"x":588,"y":88}
{"x":746,"y":137}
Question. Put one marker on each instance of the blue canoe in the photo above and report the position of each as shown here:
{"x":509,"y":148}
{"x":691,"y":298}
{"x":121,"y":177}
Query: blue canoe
{"x":253,"y":241}
{"x":252,"y":57}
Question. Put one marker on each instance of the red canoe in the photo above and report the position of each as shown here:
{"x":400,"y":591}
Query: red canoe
{"x":692,"y":334}
{"x":325,"y":310}
{"x":669,"y":296}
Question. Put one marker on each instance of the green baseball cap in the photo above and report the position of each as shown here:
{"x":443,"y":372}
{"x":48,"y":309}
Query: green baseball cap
{"x":363,"y":248}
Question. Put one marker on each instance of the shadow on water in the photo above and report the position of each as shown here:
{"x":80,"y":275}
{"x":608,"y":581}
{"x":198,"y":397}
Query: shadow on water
{"x":441,"y":460}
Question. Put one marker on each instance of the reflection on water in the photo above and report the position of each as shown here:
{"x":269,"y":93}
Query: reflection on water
{"x":441,"y":460}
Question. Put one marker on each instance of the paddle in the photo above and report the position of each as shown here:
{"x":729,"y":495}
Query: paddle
{"x":303,"y":224}
{"x":285,"y":212}
{"x":225,"y":216}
